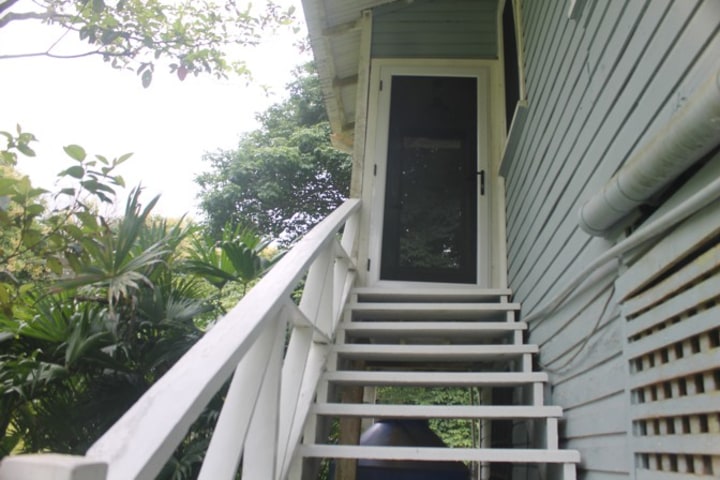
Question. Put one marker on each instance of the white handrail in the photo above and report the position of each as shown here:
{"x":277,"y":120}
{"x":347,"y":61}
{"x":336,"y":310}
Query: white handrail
{"x":243,"y":346}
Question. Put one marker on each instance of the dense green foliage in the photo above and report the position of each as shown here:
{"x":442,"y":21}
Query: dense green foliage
{"x":94,"y":309}
{"x":192,"y":36}
{"x":459,"y":433}
{"x":283,"y":177}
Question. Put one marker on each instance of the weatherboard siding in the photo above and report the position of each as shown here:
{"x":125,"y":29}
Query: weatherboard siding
{"x":429,"y":29}
{"x":597,"y":88}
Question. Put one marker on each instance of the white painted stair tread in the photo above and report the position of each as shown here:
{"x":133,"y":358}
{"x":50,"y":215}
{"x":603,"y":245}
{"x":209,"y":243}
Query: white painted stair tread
{"x":443,"y":329}
{"x":434,"y":378}
{"x":431,"y":311}
{"x":401,"y":352}
{"x":436,"y":411}
{"x":399,"y":294}
{"x":510,"y":455}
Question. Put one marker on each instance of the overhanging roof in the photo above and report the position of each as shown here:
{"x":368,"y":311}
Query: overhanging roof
{"x":344,"y":36}
{"x":335,"y":36}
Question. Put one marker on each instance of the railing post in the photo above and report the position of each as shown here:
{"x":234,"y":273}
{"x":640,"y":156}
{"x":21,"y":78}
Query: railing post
{"x":226,"y":446}
{"x":52,"y":466}
{"x":302,"y":402}
{"x":260,"y":458}
{"x":316,"y":302}
{"x":343,"y":281}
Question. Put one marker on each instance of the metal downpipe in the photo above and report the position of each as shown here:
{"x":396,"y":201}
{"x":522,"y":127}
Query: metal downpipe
{"x":692,"y":132}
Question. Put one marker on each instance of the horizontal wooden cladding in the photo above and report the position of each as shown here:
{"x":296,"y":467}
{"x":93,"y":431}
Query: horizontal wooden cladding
{"x":589,"y":106}
{"x":582,"y":421}
{"x":428,"y":28}
{"x":597,"y":88}
{"x":601,"y":454}
{"x":605,"y":380}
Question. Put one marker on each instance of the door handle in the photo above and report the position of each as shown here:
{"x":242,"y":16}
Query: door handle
{"x":481,"y":174}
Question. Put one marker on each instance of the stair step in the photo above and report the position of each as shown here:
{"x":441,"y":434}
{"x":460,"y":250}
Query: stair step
{"x":446,"y":330}
{"x":510,"y":455}
{"x":432,"y":311}
{"x":401,"y":352}
{"x":431,"y":294}
{"x":435,"y":411}
{"x":457,"y":379}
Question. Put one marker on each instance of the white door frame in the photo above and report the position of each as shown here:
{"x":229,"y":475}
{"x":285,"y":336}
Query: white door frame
{"x":376,"y":152}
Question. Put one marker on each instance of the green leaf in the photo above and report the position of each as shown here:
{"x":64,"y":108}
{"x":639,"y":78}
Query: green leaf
{"x":122,"y":158}
{"x":5,"y":291}
{"x":54,"y":265}
{"x":35,"y":209}
{"x":109,"y":36}
{"x":74,"y":231}
{"x":31,"y":238}
{"x":7,"y":158}
{"x":76,"y":171}
{"x":146,"y":78}
{"x":25,"y":150}
{"x":76,"y":152}
{"x":98,"y":6}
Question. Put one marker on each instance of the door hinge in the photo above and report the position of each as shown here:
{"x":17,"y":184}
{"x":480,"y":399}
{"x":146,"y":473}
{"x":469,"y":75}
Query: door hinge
{"x":375,"y":170}
{"x":381,"y":85}
{"x":368,"y":265}
{"x":482,"y":182}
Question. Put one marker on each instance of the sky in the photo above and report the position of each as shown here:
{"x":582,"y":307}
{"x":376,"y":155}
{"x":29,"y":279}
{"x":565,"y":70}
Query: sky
{"x":167,"y":126}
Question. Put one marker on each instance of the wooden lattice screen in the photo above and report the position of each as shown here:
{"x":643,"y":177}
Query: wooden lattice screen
{"x":672,"y":331}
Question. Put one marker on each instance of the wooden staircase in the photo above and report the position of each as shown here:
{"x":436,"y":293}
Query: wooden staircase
{"x":426,"y":338}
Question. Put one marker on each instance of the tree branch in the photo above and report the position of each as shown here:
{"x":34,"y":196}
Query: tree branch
{"x":54,"y":55}
{"x":7,"y":4}
{"x":13,"y":16}
{"x":47,"y":54}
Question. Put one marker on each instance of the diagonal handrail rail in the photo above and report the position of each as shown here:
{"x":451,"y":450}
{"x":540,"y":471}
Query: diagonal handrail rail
{"x":271,"y":386}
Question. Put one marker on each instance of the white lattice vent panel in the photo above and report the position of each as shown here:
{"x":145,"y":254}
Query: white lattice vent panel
{"x":673,"y":352}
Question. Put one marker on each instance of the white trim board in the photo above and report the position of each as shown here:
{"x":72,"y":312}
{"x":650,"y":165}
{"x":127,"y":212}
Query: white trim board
{"x":491,"y":245}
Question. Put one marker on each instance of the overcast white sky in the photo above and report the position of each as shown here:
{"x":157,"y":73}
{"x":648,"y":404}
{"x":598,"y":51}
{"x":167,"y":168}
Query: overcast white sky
{"x":167,"y":126}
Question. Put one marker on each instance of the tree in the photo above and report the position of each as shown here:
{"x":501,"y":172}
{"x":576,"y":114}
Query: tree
{"x":283,"y":177}
{"x":94,"y":309}
{"x":135,"y":34}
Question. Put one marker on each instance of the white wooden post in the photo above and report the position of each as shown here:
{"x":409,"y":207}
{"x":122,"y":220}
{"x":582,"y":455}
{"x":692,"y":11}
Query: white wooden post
{"x":343,"y":281}
{"x":318,"y":292}
{"x":260,"y":456}
{"x":315,"y":362}
{"x":293,"y":372}
{"x":50,"y":466}
{"x":226,"y":446}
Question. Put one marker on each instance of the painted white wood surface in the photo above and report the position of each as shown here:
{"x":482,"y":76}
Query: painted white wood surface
{"x":53,"y":467}
{"x":512,"y":455}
